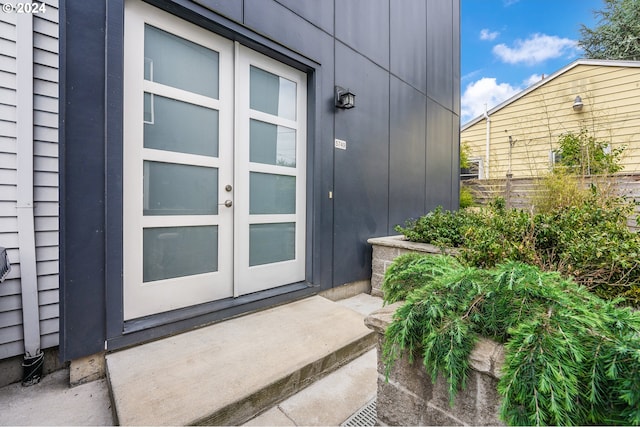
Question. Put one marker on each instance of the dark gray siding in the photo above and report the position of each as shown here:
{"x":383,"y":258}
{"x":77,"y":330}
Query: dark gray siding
{"x":400,"y":58}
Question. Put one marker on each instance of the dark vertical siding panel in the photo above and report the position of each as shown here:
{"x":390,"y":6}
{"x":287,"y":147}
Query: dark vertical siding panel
{"x":455,"y":51}
{"x":361,"y":171}
{"x":407,"y":167}
{"x":439,"y":149}
{"x":82,"y":180}
{"x":230,"y":9}
{"x":319,"y":12}
{"x":408,"y":33}
{"x":439,"y":52}
{"x":363,"y":25}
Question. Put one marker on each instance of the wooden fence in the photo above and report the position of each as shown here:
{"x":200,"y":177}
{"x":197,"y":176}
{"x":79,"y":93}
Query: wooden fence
{"x":520,"y":192}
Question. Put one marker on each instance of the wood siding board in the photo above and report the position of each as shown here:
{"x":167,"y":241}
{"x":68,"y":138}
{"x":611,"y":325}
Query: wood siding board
{"x":8,"y":65}
{"x":48,"y":326}
{"x":10,"y":287}
{"x":46,"y":223}
{"x":45,"y":43}
{"x":51,"y":311}
{"x":45,"y":134}
{"x":7,"y":145}
{"x":7,"y":79}
{"x":8,"y":192}
{"x":52,"y":10}
{"x":48,"y":297}
{"x":7,"y":129}
{"x":46,"y":268}
{"x":8,"y":113}
{"x":8,"y":95}
{"x":45,"y":179}
{"x":8,"y":177}
{"x":8,"y":18}
{"x":10,"y":318}
{"x":45,"y":164}
{"x":46,"y":58}
{"x":47,"y":253}
{"x":7,"y":208}
{"x":46,"y":238}
{"x":49,"y":340}
{"x":43,"y":26}
{"x":11,"y":334}
{"x":42,"y":194}
{"x":8,"y":46}
{"x":46,"y":149}
{"x":46,"y":283}
{"x":11,"y":349}
{"x":46,"y":209}
{"x":44,"y":88}
{"x":46,"y":103}
{"x":10,"y":303}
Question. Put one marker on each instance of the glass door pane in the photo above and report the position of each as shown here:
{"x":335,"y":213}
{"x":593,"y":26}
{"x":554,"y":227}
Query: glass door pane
{"x":177,"y":62}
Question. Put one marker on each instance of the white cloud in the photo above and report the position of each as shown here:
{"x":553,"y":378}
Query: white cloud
{"x":484,"y":91}
{"x":533,"y":79}
{"x":536,"y":49}
{"x":485,"y":34}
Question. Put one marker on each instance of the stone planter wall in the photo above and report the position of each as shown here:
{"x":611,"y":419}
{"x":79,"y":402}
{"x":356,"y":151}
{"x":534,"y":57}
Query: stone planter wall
{"x":386,"y":249}
{"x":409,"y":397}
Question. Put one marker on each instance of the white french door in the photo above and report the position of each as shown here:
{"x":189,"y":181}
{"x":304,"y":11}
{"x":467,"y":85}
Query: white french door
{"x":214,"y":166}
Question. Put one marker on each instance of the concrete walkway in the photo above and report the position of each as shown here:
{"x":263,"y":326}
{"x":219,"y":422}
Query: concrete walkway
{"x":329,"y":401}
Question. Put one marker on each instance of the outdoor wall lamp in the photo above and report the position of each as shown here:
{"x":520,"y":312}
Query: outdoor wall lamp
{"x":345,"y":98}
{"x":577,"y":104}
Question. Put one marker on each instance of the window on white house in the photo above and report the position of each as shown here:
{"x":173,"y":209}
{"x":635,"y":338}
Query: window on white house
{"x":555,"y":157}
{"x":474,"y":171}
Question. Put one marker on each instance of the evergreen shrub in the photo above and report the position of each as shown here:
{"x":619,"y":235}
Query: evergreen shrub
{"x":571,"y":358}
{"x":588,"y":241}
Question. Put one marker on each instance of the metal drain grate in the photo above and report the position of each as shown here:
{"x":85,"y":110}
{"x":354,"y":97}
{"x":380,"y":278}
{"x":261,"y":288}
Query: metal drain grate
{"x":365,"y":417}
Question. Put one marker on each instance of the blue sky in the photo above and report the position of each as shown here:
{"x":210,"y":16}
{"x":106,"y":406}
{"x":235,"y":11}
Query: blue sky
{"x":507,"y":45}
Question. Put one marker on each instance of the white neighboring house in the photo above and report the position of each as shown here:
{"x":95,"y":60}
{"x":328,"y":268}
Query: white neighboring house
{"x":29,"y":309}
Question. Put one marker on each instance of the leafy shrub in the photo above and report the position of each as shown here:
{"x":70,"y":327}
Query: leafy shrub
{"x":439,"y":227}
{"x":571,"y":358}
{"x":558,"y":190}
{"x":466,"y":197}
{"x":589,"y":241}
{"x":582,"y":154}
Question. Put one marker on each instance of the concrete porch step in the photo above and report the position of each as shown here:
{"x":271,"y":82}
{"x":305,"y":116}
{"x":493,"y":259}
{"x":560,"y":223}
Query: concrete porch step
{"x":229,"y":372}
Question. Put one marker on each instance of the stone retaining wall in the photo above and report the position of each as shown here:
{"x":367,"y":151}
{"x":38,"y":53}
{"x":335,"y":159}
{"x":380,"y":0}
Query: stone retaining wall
{"x":409,"y":397}
{"x":386,"y":249}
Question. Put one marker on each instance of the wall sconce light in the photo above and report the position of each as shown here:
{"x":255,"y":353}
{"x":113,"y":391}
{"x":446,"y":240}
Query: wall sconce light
{"x":577,"y":104}
{"x":345,"y":98}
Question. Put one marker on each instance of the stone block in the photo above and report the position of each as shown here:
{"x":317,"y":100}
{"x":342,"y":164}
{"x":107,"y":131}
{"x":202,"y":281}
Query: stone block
{"x":398,"y":407}
{"x":411,"y":376}
{"x":385,"y":253}
{"x":480,"y":358}
{"x":487,"y":401}
{"x":378,"y":266}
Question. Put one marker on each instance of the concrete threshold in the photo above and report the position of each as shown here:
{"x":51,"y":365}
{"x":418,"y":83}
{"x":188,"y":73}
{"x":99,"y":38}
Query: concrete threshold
{"x":227,"y":373}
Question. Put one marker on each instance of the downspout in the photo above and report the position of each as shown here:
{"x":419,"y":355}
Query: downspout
{"x":488,"y":142}
{"x":33,"y":357}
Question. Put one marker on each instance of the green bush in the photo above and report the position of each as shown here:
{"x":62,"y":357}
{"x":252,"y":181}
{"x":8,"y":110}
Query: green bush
{"x":589,"y":241}
{"x":571,"y":358}
{"x":466,"y":197}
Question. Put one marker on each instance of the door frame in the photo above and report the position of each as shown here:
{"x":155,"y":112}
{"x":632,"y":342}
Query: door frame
{"x":107,"y":289}
{"x":234,"y":63}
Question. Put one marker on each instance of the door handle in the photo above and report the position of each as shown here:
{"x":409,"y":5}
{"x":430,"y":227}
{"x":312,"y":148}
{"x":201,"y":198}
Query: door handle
{"x":227,"y":203}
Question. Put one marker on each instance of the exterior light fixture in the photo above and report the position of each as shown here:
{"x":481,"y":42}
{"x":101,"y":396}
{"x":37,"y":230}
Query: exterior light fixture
{"x":577,"y":104}
{"x":345,"y":98}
